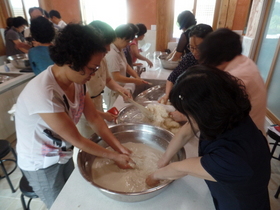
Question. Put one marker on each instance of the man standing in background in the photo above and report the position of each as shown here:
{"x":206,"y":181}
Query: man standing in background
{"x":55,"y":17}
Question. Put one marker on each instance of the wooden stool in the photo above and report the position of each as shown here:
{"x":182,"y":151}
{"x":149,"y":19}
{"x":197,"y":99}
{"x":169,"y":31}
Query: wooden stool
{"x":5,"y":149}
{"x":27,"y":191}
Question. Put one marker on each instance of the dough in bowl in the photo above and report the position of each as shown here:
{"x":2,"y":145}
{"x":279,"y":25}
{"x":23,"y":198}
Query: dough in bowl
{"x":108,"y":175}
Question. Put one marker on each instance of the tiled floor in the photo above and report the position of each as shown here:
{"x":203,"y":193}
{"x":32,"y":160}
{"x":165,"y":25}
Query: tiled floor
{"x":11,"y":201}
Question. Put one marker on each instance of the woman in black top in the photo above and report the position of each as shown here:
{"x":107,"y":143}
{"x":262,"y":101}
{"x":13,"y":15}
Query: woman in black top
{"x":185,"y":20}
{"x":196,"y":35}
{"x":234,"y":158}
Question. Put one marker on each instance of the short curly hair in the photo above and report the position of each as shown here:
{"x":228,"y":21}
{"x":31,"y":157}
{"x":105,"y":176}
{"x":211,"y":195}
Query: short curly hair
{"x":42,"y":30}
{"x":75,"y":46}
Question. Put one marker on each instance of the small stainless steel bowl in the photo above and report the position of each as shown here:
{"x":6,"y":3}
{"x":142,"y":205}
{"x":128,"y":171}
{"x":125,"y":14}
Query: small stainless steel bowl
{"x":166,"y":64}
{"x":151,"y":94}
{"x":139,"y":133}
{"x":19,"y":60}
{"x":131,"y":114}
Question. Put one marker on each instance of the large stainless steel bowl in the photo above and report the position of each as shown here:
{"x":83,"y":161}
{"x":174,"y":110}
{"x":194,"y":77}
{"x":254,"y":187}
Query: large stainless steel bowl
{"x":139,"y":133}
{"x":19,"y":61}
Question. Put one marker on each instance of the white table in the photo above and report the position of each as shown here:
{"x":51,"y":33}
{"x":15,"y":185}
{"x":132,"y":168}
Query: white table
{"x":187,"y":193}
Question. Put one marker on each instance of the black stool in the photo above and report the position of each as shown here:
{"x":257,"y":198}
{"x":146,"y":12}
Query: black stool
{"x":5,"y":148}
{"x":276,"y":138}
{"x":27,"y":191}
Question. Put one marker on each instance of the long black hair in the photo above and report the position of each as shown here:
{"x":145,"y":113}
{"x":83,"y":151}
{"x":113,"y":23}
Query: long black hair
{"x":214,"y":99}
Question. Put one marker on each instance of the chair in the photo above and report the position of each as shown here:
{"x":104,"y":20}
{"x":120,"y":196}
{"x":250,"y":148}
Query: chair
{"x":274,"y":136}
{"x":5,"y":149}
{"x":27,"y":191}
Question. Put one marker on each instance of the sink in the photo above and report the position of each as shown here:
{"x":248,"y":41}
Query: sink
{"x":8,"y":76}
{"x":149,"y":92}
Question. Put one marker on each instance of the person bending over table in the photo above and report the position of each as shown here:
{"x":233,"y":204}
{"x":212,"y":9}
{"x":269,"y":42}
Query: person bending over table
{"x":133,"y":46}
{"x":196,"y":36}
{"x":234,"y":157}
{"x":15,"y":42}
{"x":117,"y":64}
{"x":223,"y":49}
{"x":100,"y":80}
{"x":185,"y":20}
{"x":49,"y":107}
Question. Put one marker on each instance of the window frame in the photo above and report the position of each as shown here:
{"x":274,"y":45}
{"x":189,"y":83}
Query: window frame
{"x":266,"y":9}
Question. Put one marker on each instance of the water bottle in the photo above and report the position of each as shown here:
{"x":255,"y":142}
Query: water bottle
{"x":7,"y":69}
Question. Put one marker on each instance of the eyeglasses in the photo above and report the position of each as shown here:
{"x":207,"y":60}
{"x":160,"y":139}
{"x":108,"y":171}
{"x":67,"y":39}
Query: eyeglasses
{"x":192,"y":49}
{"x":93,"y":70}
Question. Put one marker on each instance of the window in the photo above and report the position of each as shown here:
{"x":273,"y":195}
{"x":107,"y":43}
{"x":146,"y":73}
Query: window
{"x":269,"y":41}
{"x":202,"y":9}
{"x":268,"y":60}
{"x":110,"y":11}
{"x":21,"y":7}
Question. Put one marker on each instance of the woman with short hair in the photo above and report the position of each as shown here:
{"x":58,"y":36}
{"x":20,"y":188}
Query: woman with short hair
{"x":185,"y":20}
{"x":117,"y":63}
{"x":50,"y":106}
{"x":42,"y":32}
{"x":133,"y":46}
{"x":196,"y":35}
{"x":14,"y":37}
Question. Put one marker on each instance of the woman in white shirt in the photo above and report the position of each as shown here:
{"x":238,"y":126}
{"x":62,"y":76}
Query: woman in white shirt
{"x":50,"y":106}
{"x":117,"y":64}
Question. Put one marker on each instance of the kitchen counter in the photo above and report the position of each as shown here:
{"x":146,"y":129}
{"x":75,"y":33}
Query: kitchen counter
{"x":185,"y":193}
{"x":20,"y":78}
{"x":9,"y":92}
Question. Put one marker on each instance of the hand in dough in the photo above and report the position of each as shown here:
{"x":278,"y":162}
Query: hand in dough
{"x":163,"y":99}
{"x":124,"y":162}
{"x":124,"y":150}
{"x":178,"y":116}
{"x":151,"y":181}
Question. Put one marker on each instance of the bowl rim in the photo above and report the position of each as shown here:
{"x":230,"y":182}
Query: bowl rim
{"x":150,"y":190}
{"x":17,"y":56}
